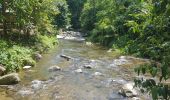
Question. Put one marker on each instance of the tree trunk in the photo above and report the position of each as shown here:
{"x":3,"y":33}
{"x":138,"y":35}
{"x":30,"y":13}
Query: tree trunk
{"x":4,"y":19}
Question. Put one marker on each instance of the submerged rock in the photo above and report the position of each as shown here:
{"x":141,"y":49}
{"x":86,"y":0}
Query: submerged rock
{"x":128,"y":90}
{"x":9,"y":79}
{"x":88,"y":66}
{"x":37,"y":84}
{"x":54,"y":68}
{"x":25,"y":92}
{"x":66,"y":57}
{"x":2,"y":70}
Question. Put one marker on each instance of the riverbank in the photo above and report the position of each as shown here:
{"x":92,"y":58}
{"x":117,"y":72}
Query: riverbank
{"x":19,"y":51}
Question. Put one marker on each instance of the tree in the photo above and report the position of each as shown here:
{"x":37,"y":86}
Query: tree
{"x":75,"y":7}
{"x":139,"y":27}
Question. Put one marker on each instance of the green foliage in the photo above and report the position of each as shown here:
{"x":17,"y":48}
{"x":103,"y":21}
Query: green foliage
{"x":16,"y":54}
{"x":15,"y":57}
{"x":75,"y":7}
{"x":140,"y":27}
{"x":44,"y":43}
{"x":62,"y":20}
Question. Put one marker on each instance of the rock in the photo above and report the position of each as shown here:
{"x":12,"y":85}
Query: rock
{"x":54,"y":68}
{"x":66,"y":57}
{"x":9,"y":79}
{"x":88,"y":66}
{"x":110,"y":50}
{"x":135,"y":98}
{"x":97,"y":74}
{"x":128,"y":90}
{"x":38,"y":56}
{"x":2,"y":70}
{"x":122,"y":57}
{"x":79,"y":71}
{"x":27,"y":67}
{"x":89,"y":43}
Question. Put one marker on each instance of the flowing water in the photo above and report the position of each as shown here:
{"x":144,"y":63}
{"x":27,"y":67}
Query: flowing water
{"x":102,"y":82}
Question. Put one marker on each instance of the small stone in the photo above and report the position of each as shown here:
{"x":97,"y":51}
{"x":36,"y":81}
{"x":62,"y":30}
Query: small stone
{"x":79,"y":71}
{"x":54,"y":68}
{"x":27,"y":67}
{"x":2,"y":70}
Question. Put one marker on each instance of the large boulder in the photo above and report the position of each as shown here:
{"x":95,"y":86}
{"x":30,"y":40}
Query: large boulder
{"x":128,"y":90}
{"x":2,"y":70}
{"x":9,"y":79}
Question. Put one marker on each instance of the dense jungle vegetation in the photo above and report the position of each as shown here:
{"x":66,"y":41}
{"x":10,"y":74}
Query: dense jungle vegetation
{"x":28,"y":27}
{"x":137,"y":27}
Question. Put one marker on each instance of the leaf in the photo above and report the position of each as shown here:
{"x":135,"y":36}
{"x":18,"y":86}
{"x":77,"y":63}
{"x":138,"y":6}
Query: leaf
{"x":154,"y":93}
{"x":143,"y":70}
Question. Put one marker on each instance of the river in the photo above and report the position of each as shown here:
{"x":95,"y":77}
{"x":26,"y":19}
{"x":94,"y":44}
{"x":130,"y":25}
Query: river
{"x":108,"y":71}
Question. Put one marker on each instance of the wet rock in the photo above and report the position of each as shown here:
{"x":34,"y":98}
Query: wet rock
{"x":79,"y":71}
{"x":87,"y":66}
{"x":27,"y":67}
{"x":38,"y":56}
{"x":128,"y":90}
{"x":2,"y":70}
{"x":37,"y":84}
{"x":9,"y":79}
{"x":97,"y":74}
{"x":66,"y":57}
{"x":54,"y":68}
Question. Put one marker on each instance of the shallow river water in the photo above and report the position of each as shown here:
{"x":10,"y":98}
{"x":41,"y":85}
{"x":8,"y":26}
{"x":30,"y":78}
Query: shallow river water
{"x":102,"y":81}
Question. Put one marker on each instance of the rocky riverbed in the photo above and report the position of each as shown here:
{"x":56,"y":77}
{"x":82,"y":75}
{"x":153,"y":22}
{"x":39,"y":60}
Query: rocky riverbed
{"x":76,"y":70}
